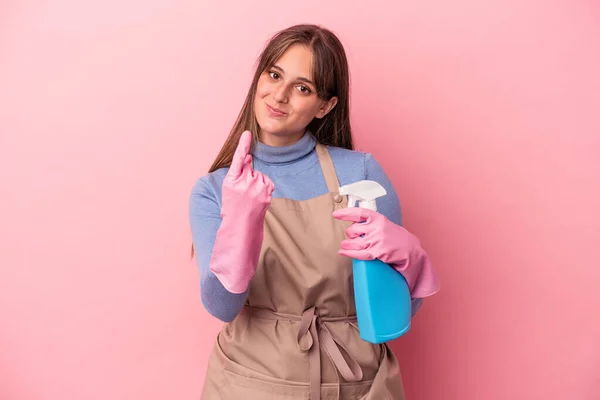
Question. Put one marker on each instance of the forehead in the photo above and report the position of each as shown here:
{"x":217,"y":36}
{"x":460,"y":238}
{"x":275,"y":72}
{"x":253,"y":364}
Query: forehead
{"x":297,"y":60}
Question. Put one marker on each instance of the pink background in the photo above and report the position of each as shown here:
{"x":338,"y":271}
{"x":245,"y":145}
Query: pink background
{"x":484,"y":113}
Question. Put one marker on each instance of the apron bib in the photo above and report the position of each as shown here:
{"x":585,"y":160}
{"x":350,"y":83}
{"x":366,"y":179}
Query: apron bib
{"x":297,"y":335}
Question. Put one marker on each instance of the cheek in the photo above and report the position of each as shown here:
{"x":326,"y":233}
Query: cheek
{"x":307,"y":108}
{"x":262,"y":88}
{"x":259,"y":95}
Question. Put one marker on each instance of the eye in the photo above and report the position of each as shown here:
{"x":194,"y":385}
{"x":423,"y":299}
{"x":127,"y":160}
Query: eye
{"x":274,"y":75}
{"x":304,"y":89}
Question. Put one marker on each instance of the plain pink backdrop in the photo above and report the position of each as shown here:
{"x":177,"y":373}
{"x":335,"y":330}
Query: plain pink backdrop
{"x":484,"y":113}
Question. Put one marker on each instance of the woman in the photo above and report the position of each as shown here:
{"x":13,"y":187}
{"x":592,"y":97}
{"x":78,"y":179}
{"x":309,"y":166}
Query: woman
{"x":275,"y":242}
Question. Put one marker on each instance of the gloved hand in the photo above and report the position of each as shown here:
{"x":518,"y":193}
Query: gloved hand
{"x":246,"y":195}
{"x":374,"y":236}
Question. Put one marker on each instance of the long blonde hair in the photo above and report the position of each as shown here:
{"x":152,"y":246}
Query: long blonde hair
{"x":331,"y":77}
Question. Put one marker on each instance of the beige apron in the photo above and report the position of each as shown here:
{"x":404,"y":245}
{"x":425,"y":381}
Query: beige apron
{"x":297,"y":336}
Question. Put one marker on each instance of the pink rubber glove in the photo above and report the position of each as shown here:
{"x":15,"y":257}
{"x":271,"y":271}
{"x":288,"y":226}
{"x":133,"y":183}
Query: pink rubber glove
{"x":374,"y":236}
{"x":246,"y":195}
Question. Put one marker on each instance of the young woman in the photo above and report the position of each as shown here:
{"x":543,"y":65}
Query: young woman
{"x":274,"y":242}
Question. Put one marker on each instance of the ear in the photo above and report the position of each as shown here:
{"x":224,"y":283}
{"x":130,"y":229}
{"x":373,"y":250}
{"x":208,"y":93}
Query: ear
{"x":326,"y":107}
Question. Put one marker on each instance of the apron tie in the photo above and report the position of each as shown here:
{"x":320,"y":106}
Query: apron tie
{"x":312,"y":333}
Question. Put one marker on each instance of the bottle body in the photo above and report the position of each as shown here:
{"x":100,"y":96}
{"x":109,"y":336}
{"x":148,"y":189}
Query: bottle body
{"x":381,"y":294}
{"x":383,"y":303}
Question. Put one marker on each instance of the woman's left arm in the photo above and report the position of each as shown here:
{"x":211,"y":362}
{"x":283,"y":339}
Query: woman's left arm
{"x":382,"y":236}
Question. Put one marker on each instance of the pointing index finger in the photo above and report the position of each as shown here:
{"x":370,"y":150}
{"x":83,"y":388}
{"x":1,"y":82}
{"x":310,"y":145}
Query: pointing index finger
{"x":240,"y":154}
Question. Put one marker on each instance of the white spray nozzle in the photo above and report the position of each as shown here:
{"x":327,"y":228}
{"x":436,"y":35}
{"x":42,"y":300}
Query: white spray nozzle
{"x":364,"y":192}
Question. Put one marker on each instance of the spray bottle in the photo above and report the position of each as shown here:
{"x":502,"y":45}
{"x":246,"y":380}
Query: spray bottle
{"x":383,"y":303}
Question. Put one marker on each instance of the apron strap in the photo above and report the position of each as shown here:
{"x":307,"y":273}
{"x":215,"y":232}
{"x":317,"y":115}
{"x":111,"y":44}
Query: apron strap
{"x":331,"y":178}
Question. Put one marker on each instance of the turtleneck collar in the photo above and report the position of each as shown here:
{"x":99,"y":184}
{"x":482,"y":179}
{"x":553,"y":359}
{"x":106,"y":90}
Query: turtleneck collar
{"x":285,"y":154}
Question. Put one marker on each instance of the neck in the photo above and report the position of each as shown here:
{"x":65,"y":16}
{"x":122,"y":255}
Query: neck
{"x":285,"y":154}
{"x":280,"y":140}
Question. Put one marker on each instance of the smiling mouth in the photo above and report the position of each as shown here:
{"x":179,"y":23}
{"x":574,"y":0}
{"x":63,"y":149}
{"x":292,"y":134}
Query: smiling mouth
{"x":275,"y":112}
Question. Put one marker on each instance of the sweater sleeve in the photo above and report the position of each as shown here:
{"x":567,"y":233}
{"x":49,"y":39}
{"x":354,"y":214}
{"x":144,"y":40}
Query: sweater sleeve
{"x":205,"y":220}
{"x":388,"y":205}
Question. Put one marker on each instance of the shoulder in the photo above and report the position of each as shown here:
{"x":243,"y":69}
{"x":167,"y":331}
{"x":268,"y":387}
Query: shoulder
{"x":340,"y":153}
{"x":208,"y":186}
{"x":357,"y":164}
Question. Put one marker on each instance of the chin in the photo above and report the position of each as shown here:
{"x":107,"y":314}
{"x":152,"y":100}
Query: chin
{"x":271,"y":128}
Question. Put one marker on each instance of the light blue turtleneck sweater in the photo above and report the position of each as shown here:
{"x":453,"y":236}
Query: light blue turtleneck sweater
{"x":296,"y":172}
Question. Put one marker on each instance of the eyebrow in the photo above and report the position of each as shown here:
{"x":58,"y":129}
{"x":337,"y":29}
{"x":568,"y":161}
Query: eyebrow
{"x":299,"y":78}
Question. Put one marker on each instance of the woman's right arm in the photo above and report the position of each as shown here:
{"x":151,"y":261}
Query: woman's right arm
{"x":228,"y":238}
{"x":205,"y":220}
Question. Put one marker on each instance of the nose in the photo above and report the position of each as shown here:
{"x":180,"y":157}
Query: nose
{"x":280,"y":93}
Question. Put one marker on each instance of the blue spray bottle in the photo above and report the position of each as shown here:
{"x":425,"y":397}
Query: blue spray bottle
{"x":383,"y":303}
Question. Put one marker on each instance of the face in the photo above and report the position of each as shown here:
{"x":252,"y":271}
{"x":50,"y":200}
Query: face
{"x":286,"y":99}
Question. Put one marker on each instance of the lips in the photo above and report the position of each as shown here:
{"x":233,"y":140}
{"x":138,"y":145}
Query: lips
{"x":275,"y":111}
